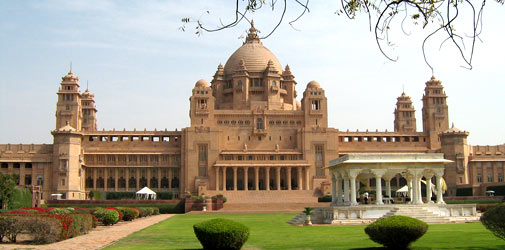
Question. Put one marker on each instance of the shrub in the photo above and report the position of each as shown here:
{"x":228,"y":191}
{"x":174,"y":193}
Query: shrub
{"x":21,"y":197}
{"x":39,"y":210}
{"x":59,"y":211}
{"x":107,"y":216}
{"x":221,"y":234}
{"x":494,"y":220}
{"x":97,"y":195}
{"x":115,"y":209}
{"x":12,"y":225}
{"x":45,"y":229}
{"x":145,"y":211}
{"x":464,"y":192}
{"x":164,"y":208}
{"x":129,"y":213}
{"x":326,"y":198}
{"x":396,"y":232}
{"x":82,"y":224}
{"x":156,"y":210}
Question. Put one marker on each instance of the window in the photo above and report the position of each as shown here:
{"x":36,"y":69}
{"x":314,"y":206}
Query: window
{"x":202,"y":152}
{"x":489,"y":177}
{"x":500,"y":177}
{"x":63,"y":181}
{"x":17,"y":165}
{"x":315,"y":105}
{"x":40,"y":180}
{"x":28,"y":179}
{"x":319,"y":153}
{"x":259,"y":123}
{"x":239,"y":83}
{"x":274,"y":84}
{"x":479,"y":178}
{"x":67,"y":107}
{"x":5,"y":165}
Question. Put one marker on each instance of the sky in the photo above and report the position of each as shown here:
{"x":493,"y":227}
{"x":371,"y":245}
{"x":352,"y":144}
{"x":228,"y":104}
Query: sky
{"x":142,"y":67}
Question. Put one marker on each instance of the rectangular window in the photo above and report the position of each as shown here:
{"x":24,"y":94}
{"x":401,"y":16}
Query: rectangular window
{"x":500,"y":177}
{"x":479,"y":178}
{"x":40,"y":180}
{"x":319,"y":153}
{"x":111,"y":159}
{"x":489,"y":177}
{"x":202,"y":152}
{"x":316,"y":105}
{"x":143,"y":159}
{"x":28,"y":179}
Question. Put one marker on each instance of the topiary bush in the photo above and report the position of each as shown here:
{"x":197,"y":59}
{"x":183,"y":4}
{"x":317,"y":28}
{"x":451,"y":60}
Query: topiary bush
{"x":129,"y":213}
{"x":396,"y":232}
{"x":221,"y":234}
{"x":107,"y":216}
{"x":494,"y":220}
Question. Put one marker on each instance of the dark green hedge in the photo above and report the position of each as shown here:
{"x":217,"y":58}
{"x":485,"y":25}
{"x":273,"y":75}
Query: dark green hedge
{"x":221,"y":234}
{"x":164,"y":208}
{"x":498,"y":190}
{"x":494,"y":220}
{"x":326,"y":198}
{"x":101,"y":195}
{"x":464,"y":192}
{"x":396,"y":232}
{"x":21,"y":198}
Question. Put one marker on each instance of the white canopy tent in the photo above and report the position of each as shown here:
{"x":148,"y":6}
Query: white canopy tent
{"x":403,"y":192}
{"x":145,"y":194}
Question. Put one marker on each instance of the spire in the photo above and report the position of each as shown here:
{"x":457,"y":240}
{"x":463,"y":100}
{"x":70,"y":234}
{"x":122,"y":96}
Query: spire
{"x":252,"y":36}
{"x":70,"y":68}
{"x":87,"y":84}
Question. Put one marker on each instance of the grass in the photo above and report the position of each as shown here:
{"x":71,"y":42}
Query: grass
{"x":270,"y":231}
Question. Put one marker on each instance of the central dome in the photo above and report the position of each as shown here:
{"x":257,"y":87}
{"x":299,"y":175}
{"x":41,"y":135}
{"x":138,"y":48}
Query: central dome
{"x":254,"y":54}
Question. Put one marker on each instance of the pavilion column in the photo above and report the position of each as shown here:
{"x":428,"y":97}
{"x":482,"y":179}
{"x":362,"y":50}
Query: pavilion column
{"x":428,"y":188}
{"x":224,"y":179}
{"x":267,"y":178}
{"x":288,"y":177}
{"x":217,"y":178}
{"x":333,"y":189}
{"x":339,"y":189}
{"x":409,"y":184}
{"x":234,"y":178}
{"x":346,"y":190}
{"x":299,"y":172}
{"x":439,"y":173}
{"x":307,"y":178}
{"x":256,"y":178}
{"x":246,"y":178}
{"x":378,"y":185}
{"x":416,"y":186}
{"x":353,"y":190}
{"x":388,"y":179}
{"x":278,"y":178}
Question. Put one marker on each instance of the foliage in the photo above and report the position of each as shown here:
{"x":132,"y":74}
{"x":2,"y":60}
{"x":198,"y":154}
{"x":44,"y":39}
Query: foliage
{"x":44,"y":229}
{"x":97,"y":195}
{"x":39,"y":210}
{"x":11,"y":226}
{"x":106,"y":216}
{"x":308,"y":211}
{"x":499,"y":190}
{"x":396,"y":232}
{"x":83,"y":223}
{"x":464,"y":192}
{"x":221,"y":234}
{"x":59,"y":211}
{"x":7,"y":187}
{"x":117,"y":210}
{"x":494,"y":220}
{"x":164,"y":208}
{"x":145,"y":211}
{"x":324,"y":198}
{"x":129,"y":213}
{"x":21,"y":198}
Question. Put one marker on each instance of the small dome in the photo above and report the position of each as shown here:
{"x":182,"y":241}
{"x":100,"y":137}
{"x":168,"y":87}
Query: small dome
{"x":202,"y":83}
{"x":313,"y":84}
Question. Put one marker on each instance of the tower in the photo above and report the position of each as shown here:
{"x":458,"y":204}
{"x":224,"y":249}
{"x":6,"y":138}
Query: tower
{"x":435,"y":111}
{"x":405,"y":114}
{"x":89,"y":110}
{"x":202,"y":105}
{"x":314,"y":105}
{"x":455,"y":147}
{"x":68,"y":107}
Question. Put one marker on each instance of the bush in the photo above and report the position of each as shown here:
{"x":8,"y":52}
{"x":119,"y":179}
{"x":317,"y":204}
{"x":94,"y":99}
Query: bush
{"x":118,"y":212}
{"x":464,"y":192}
{"x":107,"y":216}
{"x":326,"y":198}
{"x":82,"y":224}
{"x":12,"y":225}
{"x":396,"y":232}
{"x":221,"y":234}
{"x":156,"y":210}
{"x":129,"y":213}
{"x":120,"y":195}
{"x":97,"y":195}
{"x":59,"y":211}
{"x":164,"y":208}
{"x":21,"y":197}
{"x":145,"y":211}
{"x":494,"y":220}
{"x":45,"y":229}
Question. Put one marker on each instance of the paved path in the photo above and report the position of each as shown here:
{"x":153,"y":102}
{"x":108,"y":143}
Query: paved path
{"x":99,"y":237}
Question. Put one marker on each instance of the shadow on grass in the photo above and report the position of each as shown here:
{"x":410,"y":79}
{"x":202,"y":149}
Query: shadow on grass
{"x":437,"y":248}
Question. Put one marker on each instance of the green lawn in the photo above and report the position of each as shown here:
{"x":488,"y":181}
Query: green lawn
{"x":270,"y":231}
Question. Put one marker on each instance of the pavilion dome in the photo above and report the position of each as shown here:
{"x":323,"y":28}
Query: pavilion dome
{"x":254,"y":55}
{"x":313,"y":84}
{"x":202,"y":83}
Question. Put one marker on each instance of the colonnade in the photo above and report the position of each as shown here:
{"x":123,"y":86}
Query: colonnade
{"x":348,"y":179}
{"x":262,"y":178}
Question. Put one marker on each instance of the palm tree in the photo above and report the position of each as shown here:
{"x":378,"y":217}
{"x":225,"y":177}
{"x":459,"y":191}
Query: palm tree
{"x":308,"y":211}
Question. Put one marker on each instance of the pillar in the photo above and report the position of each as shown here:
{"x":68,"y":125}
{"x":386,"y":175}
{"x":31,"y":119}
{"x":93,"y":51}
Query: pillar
{"x":409,"y":183}
{"x":333,"y":190}
{"x":288,"y":177}
{"x":346,"y":190}
{"x":307,"y":178}
{"x":440,"y":199}
{"x":353,"y":190}
{"x":388,"y":187}
{"x":256,"y":178}
{"x":378,"y":188}
{"x":217,"y":178}
{"x":105,"y":178}
{"x":246,"y":178}
{"x":224,"y":179}
{"x":95,"y":176}
{"x":115,"y":179}
{"x":416,"y":188}
{"x":127,"y":174}
{"x":339,"y":190}
{"x":267,"y":178}
{"x":234,"y":178}
{"x":428,"y":188}
{"x":170,"y":176}
{"x":299,"y":172}
{"x":137,"y":172}
{"x":278,"y":178}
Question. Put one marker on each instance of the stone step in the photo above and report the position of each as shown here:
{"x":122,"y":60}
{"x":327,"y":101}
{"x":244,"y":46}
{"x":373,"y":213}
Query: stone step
{"x":267,"y":197}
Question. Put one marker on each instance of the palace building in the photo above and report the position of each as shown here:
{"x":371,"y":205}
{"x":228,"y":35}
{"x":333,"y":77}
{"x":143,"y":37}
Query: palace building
{"x":249,"y":138}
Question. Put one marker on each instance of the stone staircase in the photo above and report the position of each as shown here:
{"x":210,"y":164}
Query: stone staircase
{"x":418,"y":212}
{"x":267,"y":197}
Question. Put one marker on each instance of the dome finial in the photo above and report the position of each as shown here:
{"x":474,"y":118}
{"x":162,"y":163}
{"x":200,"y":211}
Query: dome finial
{"x":253,"y":34}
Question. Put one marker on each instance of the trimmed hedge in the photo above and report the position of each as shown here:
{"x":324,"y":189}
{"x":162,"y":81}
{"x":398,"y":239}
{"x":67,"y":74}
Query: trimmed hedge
{"x":498,"y":190}
{"x":107,"y":216}
{"x":221,"y":234}
{"x":396,"y":232}
{"x":163,"y":208}
{"x":129,"y":213}
{"x":464,"y":192}
{"x":97,"y":195}
{"x":83,"y":223}
{"x":326,"y":198}
{"x":59,"y":211}
{"x":494,"y":220}
{"x":22,"y":197}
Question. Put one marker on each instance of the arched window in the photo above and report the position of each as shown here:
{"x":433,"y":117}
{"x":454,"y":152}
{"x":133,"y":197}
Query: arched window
{"x":111,"y":182}
{"x":153,"y":183}
{"x":132,"y":183}
{"x":239,"y":83}
{"x":164,"y":182}
{"x":89,"y":182}
{"x":274,"y":84}
{"x":259,"y":123}
{"x":121,"y":182}
{"x":100,"y":182}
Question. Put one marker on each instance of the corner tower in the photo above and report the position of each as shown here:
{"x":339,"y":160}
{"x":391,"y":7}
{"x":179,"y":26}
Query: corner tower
{"x":89,"y":110}
{"x":68,"y":107}
{"x":435,"y":111}
{"x":405,"y":114}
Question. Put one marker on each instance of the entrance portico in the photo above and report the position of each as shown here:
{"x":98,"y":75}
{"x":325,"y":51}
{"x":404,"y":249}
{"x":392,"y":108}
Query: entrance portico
{"x":384,"y":166}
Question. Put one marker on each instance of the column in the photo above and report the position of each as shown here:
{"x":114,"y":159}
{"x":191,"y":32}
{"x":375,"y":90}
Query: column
{"x":409,"y":184}
{"x":278,"y":178}
{"x":299,"y":172}
{"x":417,"y":186}
{"x":246,"y":178}
{"x":170,"y":176}
{"x":428,"y":188}
{"x":339,"y":190}
{"x":115,"y":179}
{"x":439,"y":174}
{"x":307,"y":178}
{"x":217,"y":178}
{"x":224,"y":179}
{"x":234,"y":178}
{"x":137,"y":172}
{"x":333,"y":189}
{"x":346,"y":190}
{"x":105,"y":178}
{"x":388,"y":187}
{"x":256,"y":178}
{"x":127,"y":174}
{"x":95,"y":176}
{"x":353,"y":190}
{"x":378,"y":185}
{"x":21,"y":177}
{"x":288,"y":176}
{"x":159,"y":178}
{"x":267,"y":178}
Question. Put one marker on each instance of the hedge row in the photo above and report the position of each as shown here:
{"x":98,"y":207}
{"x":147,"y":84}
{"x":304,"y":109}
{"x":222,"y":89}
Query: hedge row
{"x":102,"y":195}
{"x":163,"y":208}
{"x":498,"y":190}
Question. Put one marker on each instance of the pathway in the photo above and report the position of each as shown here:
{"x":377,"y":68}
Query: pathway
{"x":99,"y":237}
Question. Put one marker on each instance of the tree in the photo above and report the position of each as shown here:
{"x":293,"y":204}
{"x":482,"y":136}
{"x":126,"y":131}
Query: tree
{"x":382,"y":16}
{"x":7,"y":186}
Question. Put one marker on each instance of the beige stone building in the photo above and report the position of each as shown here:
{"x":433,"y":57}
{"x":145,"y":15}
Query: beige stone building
{"x":249,"y":138}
